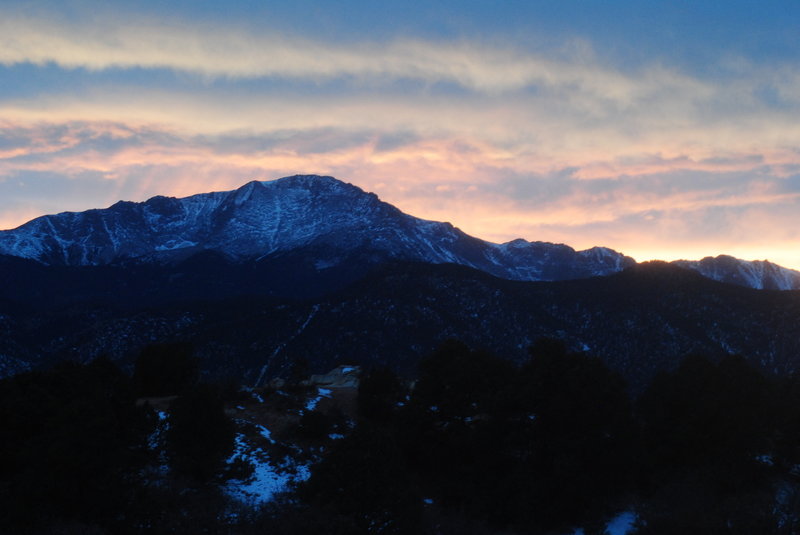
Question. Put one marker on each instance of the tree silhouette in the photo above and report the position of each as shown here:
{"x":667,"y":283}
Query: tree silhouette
{"x":165,"y":369}
{"x":705,"y":427}
{"x":71,"y":445}
{"x":379,"y":392}
{"x":200,"y":436}
{"x":364,"y":479}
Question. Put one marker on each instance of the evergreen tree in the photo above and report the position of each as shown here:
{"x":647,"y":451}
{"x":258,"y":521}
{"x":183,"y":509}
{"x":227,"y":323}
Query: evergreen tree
{"x":165,"y":369}
{"x":581,"y":456}
{"x":71,"y":446}
{"x":379,"y":392}
{"x":706,"y":426}
{"x":364,"y":480}
{"x":200,"y":435}
{"x":535,"y":448}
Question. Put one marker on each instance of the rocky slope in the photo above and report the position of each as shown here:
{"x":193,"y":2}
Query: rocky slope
{"x":264,"y":219}
{"x":759,"y":274}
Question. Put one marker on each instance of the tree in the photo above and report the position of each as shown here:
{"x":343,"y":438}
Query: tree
{"x":533,"y":448}
{"x":709,"y":417}
{"x":379,"y":392}
{"x":200,"y":435}
{"x":364,"y":480}
{"x":71,"y":447}
{"x":705,"y":427}
{"x":165,"y":369}
{"x":580,"y":441}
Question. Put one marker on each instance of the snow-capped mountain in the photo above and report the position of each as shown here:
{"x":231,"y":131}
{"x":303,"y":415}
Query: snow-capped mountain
{"x":329,"y":221}
{"x":759,"y":274}
{"x":263,"y":219}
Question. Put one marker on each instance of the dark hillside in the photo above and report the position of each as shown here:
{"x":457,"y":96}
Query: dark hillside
{"x":639,"y":321}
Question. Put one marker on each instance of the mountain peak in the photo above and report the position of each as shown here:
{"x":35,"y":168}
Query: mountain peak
{"x":307,"y":180}
{"x":759,"y":274}
{"x":246,"y":192}
{"x":251,"y":186}
{"x":312,"y":182}
{"x":332,"y":220}
{"x":328,"y":220}
{"x":316,"y":185}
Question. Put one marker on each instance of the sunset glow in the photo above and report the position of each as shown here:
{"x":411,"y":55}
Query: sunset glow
{"x":576,"y":124}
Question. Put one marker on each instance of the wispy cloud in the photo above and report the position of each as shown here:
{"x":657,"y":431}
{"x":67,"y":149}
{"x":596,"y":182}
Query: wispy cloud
{"x":735,"y":206}
{"x":214,"y":52}
{"x":497,"y":118}
{"x":421,"y":172}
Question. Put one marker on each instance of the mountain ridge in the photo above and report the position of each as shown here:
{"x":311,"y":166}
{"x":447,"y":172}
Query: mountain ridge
{"x":261,"y":219}
{"x":758,"y":274}
{"x":336,"y":220}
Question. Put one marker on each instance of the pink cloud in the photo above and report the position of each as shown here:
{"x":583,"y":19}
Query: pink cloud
{"x":634,"y":203}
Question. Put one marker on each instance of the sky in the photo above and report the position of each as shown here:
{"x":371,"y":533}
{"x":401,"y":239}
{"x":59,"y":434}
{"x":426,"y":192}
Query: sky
{"x":660,"y":129}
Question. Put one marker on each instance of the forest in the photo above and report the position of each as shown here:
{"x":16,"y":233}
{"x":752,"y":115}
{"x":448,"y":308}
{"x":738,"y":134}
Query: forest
{"x":471,"y":444}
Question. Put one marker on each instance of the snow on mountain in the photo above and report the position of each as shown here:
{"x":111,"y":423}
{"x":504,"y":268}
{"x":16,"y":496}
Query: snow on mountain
{"x":261,"y":219}
{"x":759,"y":274}
{"x":330,"y":219}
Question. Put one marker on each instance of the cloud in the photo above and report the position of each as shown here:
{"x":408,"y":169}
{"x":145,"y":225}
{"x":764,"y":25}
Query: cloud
{"x":735,"y":207}
{"x":631,"y":183}
{"x":501,"y":140}
{"x":528,"y":127}
{"x":101,"y":43}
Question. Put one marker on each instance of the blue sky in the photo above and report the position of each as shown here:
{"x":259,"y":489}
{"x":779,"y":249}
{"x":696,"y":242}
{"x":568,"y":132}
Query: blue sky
{"x":661,"y":129}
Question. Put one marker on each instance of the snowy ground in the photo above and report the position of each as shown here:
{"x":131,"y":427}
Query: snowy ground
{"x":268,"y":479}
{"x":321,"y":393}
{"x":270,"y":475}
{"x":622,"y":524}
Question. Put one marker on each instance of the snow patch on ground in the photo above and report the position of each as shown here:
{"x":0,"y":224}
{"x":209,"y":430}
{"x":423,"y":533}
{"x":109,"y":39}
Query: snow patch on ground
{"x":267,"y":479}
{"x":156,"y":441}
{"x":313,"y":402}
{"x":621,"y":524}
{"x":172,"y":245}
{"x":264,"y":432}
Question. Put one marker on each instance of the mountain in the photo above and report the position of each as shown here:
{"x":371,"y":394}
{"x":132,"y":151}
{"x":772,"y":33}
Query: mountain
{"x":759,"y":274}
{"x":309,"y":267}
{"x":322,"y":223}
{"x":331,"y":220}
